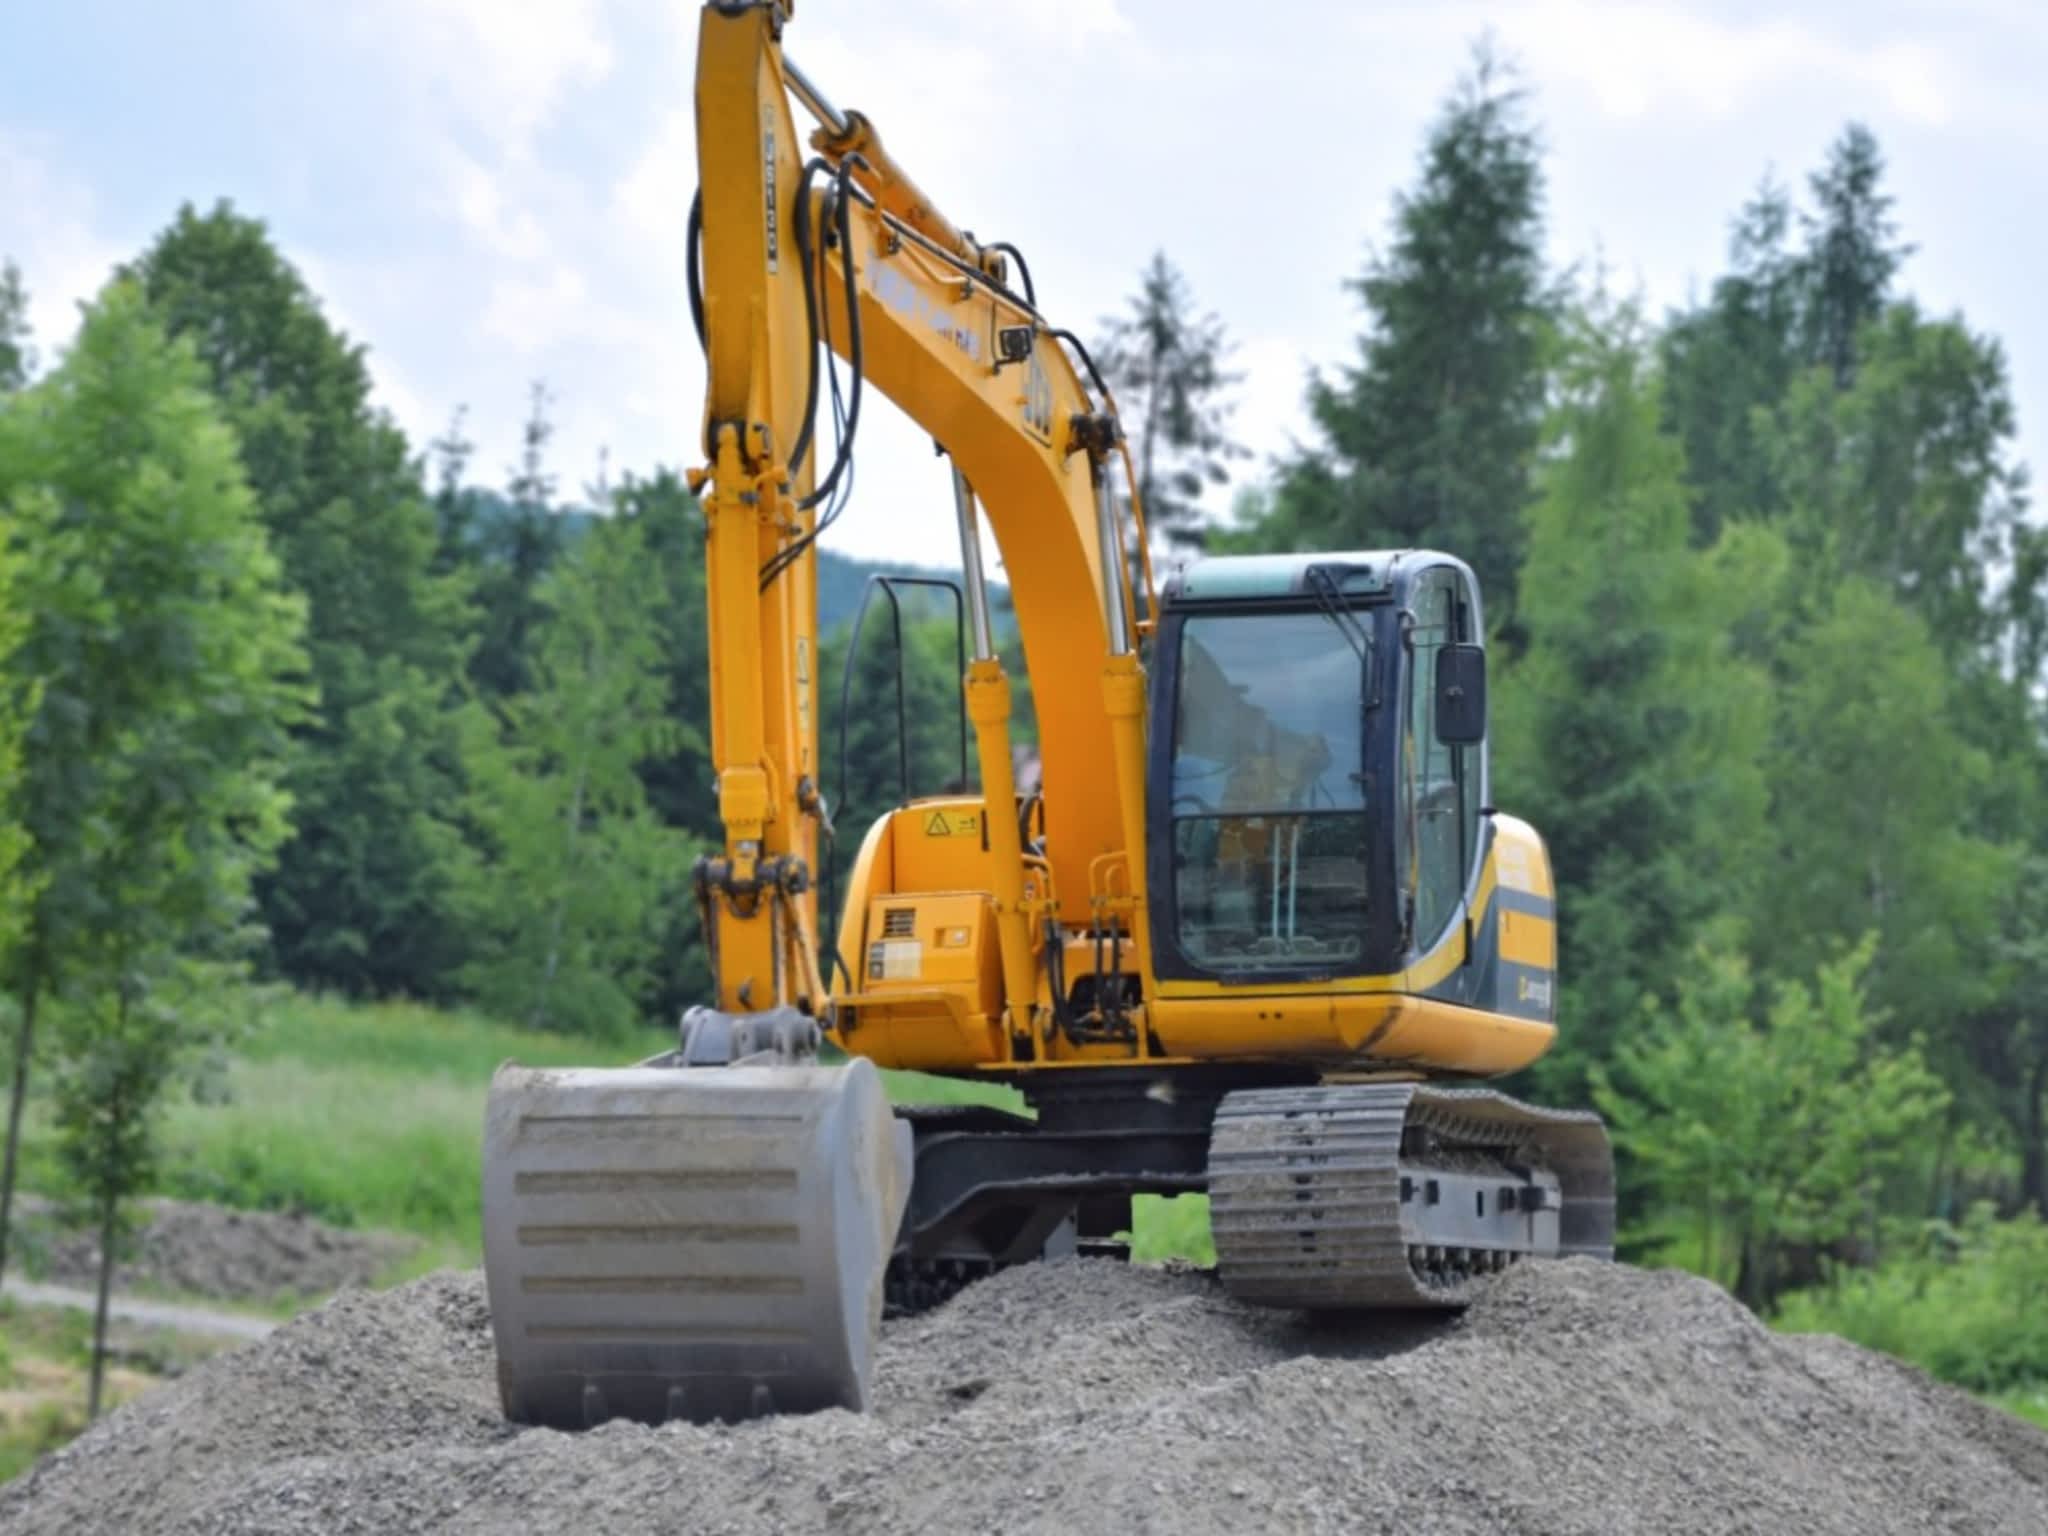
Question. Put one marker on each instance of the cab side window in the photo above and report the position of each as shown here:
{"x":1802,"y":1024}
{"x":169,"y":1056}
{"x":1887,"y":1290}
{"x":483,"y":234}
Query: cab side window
{"x":1441,"y":782}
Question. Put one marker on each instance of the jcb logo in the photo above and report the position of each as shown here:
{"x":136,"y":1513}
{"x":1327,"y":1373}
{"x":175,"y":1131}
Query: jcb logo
{"x":1037,"y":398}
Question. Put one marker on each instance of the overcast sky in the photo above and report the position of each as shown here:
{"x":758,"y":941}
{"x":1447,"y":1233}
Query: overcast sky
{"x":493,"y":191}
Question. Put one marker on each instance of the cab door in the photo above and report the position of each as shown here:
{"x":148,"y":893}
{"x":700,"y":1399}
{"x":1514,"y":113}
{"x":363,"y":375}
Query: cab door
{"x":1441,"y":785}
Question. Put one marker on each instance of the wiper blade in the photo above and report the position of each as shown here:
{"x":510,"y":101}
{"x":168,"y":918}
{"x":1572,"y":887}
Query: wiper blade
{"x":1331,"y":600}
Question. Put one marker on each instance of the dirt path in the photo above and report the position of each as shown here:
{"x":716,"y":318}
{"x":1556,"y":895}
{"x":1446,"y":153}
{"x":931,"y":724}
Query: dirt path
{"x":144,"y":1312}
{"x":194,"y":1249}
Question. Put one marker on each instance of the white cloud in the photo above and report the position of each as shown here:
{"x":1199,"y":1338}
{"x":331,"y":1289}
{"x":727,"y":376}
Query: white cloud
{"x":507,"y":65}
{"x":1071,"y":25}
{"x":543,"y":157}
{"x":1634,"y":59}
{"x":477,"y":194}
{"x":1272,"y":409}
{"x":533,"y":314}
{"x":57,"y":236}
{"x":349,"y":292}
{"x":651,"y":201}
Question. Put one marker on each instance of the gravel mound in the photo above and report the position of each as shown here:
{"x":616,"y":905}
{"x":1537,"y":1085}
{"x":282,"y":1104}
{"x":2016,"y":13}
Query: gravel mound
{"x":1088,"y":1396}
{"x":207,"y":1250}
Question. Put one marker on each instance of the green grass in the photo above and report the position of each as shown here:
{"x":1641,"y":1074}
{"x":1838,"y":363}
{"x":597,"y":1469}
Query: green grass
{"x":925,"y":1088}
{"x":45,"y":1361}
{"x":1174,"y":1227}
{"x":2030,"y":1403}
{"x":46,"y":1427}
{"x":371,"y":1115}
{"x":361,"y":1115}
{"x":1969,"y":1304}
{"x":367,"y":1116}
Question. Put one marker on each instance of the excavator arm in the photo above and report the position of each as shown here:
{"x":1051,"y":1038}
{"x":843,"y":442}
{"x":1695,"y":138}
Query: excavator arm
{"x":833,"y":245}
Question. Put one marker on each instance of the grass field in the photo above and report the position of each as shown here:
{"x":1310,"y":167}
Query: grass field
{"x":2029,"y":1403}
{"x":360,"y":1115}
{"x":372,"y":1116}
{"x":45,"y":1364}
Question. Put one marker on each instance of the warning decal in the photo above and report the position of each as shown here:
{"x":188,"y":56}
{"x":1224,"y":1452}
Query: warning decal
{"x":953,"y":824}
{"x":895,"y":960}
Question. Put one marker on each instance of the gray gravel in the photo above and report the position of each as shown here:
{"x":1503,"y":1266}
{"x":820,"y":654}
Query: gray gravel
{"x":207,"y":1250}
{"x":1084,"y":1396}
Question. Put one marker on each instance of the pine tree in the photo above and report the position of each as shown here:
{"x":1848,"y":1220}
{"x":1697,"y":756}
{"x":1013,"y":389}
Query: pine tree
{"x":1729,"y":362}
{"x":516,"y":553}
{"x":1429,"y":438}
{"x":570,"y":897}
{"x":455,"y":501}
{"x":1851,"y":253}
{"x":17,"y":351}
{"x":682,"y":789}
{"x":360,"y":900}
{"x":1776,"y":314}
{"x":1166,"y":363}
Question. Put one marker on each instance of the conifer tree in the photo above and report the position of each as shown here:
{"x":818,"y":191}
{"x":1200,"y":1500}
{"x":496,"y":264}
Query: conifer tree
{"x":568,"y":899}
{"x":17,"y":351}
{"x":1429,"y":437}
{"x":1167,"y":364}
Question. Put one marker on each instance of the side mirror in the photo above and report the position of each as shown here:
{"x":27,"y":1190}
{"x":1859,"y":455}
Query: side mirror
{"x":1461,"y":695}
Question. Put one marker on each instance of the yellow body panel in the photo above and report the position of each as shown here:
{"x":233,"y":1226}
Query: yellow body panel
{"x":931,"y":983}
{"x":1342,"y":1023}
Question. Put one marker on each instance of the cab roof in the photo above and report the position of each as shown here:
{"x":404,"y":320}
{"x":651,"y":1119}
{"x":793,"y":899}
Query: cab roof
{"x":1242,"y":578}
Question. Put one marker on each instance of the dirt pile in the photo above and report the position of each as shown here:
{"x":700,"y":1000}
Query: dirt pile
{"x":1084,"y":1396}
{"x":206,"y":1250}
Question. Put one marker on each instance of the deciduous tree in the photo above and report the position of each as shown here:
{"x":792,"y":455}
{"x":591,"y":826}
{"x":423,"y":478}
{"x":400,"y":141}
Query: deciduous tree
{"x":361,"y":898}
{"x":1763,"y":1133}
{"x":164,"y":651}
{"x":1628,"y":730}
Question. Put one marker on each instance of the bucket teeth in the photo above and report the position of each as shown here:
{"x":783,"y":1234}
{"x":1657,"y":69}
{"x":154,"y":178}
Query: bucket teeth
{"x":701,"y":1243}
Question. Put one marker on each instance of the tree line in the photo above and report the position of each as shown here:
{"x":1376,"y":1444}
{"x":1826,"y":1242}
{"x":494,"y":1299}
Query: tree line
{"x":1767,"y":614}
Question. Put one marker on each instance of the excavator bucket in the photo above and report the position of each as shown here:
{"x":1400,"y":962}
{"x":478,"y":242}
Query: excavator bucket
{"x":688,"y":1243}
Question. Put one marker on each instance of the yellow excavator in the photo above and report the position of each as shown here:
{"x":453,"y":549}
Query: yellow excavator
{"x":1250,"y":936}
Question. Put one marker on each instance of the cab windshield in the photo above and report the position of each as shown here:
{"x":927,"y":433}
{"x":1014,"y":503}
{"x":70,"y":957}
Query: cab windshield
{"x":1268,"y":809}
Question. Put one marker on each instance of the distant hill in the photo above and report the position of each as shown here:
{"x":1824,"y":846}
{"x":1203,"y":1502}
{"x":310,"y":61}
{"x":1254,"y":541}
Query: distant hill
{"x":841,"y":578}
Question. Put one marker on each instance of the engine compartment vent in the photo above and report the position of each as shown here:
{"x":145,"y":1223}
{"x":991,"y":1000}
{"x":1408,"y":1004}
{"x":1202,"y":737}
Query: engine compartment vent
{"x":899,"y":922}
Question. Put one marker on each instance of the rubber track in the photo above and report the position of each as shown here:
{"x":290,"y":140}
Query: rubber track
{"x":1305,"y":1186}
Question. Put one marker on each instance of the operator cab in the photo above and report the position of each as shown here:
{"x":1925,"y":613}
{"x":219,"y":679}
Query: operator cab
{"x":1318,"y":763}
